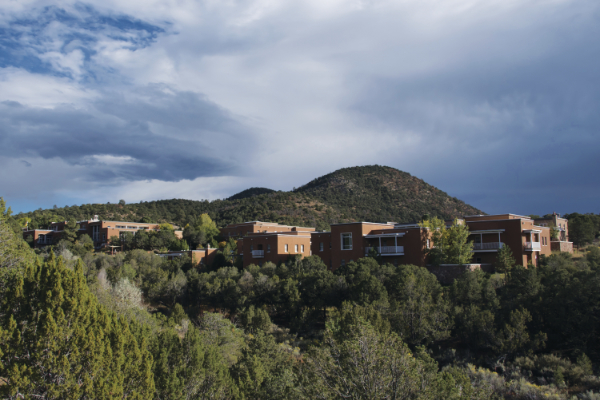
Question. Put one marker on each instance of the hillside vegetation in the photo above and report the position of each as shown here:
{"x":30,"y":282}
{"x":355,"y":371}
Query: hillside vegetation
{"x":371,"y":193}
{"x":80,"y":324}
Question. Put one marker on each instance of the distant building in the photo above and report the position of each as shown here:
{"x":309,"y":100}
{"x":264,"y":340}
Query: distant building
{"x":99,"y":231}
{"x":561,"y":227}
{"x":276,"y":247}
{"x":246,"y":228}
{"x":200,"y":257}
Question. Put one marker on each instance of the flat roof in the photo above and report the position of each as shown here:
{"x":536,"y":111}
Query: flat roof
{"x":291,"y":234}
{"x":267,"y":223}
{"x":362,"y":222}
{"x":495,"y":215}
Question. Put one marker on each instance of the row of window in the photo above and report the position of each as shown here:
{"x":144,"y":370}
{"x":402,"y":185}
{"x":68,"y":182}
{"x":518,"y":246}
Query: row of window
{"x":286,"y":248}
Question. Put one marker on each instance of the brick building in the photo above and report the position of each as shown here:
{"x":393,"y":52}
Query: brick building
{"x":99,"y":231}
{"x":395,"y":243}
{"x":246,"y":228}
{"x":561,"y":227}
{"x":276,"y":247}
{"x":489,"y":233}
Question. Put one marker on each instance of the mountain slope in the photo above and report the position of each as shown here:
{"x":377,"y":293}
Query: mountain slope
{"x":370,"y":193}
{"x":377,"y":193}
{"x":254,"y":191}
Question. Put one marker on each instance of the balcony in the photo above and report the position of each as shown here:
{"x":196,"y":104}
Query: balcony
{"x":532,"y":246}
{"x":492,"y":246}
{"x":258,"y":254}
{"x":387,"y":250}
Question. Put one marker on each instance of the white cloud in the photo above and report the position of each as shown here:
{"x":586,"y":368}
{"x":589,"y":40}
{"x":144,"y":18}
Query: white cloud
{"x":37,"y":90}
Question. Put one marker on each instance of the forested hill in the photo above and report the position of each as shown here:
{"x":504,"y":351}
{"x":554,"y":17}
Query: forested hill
{"x":250,"y":193}
{"x":371,"y":193}
{"x":379,"y":194}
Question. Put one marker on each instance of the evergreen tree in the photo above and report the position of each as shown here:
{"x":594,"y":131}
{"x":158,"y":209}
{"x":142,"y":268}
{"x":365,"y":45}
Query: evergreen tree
{"x":70,"y":231}
{"x":56,"y":341}
{"x":505,"y":261}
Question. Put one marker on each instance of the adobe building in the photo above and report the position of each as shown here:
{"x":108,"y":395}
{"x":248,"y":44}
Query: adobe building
{"x":489,"y":233}
{"x":276,"y":247}
{"x":99,"y":231}
{"x":246,"y":228}
{"x":321,"y":246}
{"x":395,"y":243}
{"x":561,"y":227}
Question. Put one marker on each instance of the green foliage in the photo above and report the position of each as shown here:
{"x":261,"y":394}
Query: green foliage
{"x":189,"y":367}
{"x":419,"y":310}
{"x":505,"y":260}
{"x":70,"y":231}
{"x":364,"y":363}
{"x":15,"y":253}
{"x":58,"y":342}
{"x":265,"y":371}
{"x":255,"y":320}
{"x":449,"y":244}
{"x":583,"y":228}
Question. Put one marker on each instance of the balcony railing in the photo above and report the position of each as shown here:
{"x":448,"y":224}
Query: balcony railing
{"x":532,"y":246}
{"x":258,"y":253}
{"x":487,"y":246}
{"x":386,"y":250}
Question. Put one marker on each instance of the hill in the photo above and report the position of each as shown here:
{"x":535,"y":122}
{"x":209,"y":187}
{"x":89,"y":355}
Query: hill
{"x":370,"y":193}
{"x":250,"y":193}
{"x":377,"y":193}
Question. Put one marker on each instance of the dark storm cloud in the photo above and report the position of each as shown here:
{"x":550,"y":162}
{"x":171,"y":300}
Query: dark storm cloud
{"x":513,"y":126}
{"x":150,"y":133}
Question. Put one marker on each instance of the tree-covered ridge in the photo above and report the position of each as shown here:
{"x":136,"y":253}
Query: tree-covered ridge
{"x":253,"y":191}
{"x":372,"y":193}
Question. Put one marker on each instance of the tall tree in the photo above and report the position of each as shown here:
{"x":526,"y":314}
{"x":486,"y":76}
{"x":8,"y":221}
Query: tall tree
{"x":70,"y":231}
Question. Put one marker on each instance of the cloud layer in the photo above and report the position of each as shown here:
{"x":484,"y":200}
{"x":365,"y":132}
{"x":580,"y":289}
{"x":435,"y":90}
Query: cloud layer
{"x":494,"y":102}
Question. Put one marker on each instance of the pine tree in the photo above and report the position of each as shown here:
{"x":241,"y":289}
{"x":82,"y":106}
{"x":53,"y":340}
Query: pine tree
{"x":70,"y":231}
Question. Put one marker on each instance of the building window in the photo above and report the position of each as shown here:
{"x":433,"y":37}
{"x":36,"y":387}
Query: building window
{"x":251,"y":247}
{"x":104,"y":236}
{"x":302,"y":248}
{"x":286,"y":248}
{"x":343,"y":263}
{"x":346,"y":241}
{"x":268,"y":248}
{"x":321,"y":246}
{"x":295,"y":248}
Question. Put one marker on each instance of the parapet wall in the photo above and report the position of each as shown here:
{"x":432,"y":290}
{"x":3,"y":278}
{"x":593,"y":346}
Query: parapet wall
{"x":566,"y":247}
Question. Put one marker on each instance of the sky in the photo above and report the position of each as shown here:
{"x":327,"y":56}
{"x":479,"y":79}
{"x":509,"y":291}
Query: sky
{"x":496,"y":102}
